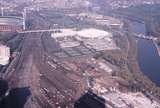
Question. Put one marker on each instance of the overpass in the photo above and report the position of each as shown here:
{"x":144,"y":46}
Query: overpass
{"x":39,"y":31}
{"x":142,"y":36}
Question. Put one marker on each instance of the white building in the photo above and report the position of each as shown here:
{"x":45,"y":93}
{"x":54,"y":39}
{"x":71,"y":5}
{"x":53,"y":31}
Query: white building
{"x":89,"y":33}
{"x":4,"y":54}
{"x":93,"y":33}
{"x":91,"y":37}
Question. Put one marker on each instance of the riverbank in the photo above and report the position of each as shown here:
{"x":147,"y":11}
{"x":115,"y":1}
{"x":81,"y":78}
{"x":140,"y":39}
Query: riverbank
{"x":138,"y":78}
{"x":145,"y":84}
{"x":134,"y":75}
{"x":129,"y":70}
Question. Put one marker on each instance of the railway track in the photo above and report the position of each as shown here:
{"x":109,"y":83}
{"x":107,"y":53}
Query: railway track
{"x":14,"y":63}
{"x":50,"y":87}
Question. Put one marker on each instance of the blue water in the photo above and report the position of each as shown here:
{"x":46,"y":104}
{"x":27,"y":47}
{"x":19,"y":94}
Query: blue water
{"x":148,"y":58}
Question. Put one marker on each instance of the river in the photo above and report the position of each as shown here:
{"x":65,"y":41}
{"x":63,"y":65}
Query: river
{"x":148,"y":58}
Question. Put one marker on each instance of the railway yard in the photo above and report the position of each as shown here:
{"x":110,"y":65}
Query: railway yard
{"x":48,"y":73}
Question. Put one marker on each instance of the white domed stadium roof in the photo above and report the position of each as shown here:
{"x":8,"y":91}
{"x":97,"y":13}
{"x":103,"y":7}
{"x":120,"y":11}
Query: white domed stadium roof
{"x":93,"y":33}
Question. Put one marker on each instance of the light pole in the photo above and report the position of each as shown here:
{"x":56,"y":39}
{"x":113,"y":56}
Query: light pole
{"x":2,"y":11}
{"x":24,"y":18}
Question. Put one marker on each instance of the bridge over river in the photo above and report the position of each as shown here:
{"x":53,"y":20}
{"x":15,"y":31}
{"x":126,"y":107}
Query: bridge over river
{"x":142,"y":36}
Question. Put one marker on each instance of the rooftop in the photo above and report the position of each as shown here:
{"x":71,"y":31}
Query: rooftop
{"x":10,"y":21}
{"x":84,"y":33}
{"x":93,"y":33}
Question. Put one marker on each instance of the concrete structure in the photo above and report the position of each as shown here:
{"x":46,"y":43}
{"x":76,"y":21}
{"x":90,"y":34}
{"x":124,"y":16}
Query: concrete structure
{"x":64,"y":33}
{"x":66,"y":44}
{"x":145,"y":37}
{"x":88,"y":33}
{"x":92,"y":38}
{"x":93,"y":33}
{"x":4,"y":54}
{"x":10,"y":23}
{"x":136,"y":100}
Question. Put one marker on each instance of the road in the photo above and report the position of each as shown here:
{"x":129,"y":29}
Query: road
{"x":38,"y":31}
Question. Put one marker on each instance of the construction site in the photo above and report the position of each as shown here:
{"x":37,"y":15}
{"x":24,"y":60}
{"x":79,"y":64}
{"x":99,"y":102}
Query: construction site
{"x":50,"y":62}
